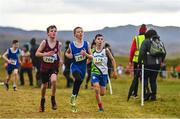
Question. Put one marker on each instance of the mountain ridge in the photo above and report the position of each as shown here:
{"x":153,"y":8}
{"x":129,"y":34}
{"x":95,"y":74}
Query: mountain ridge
{"x":120,"y":37}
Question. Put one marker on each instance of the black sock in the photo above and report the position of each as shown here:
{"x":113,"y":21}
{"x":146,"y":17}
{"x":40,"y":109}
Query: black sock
{"x":42,"y":103}
{"x":76,"y":87}
{"x":77,"y":83}
{"x":52,"y":97}
{"x":53,"y":100}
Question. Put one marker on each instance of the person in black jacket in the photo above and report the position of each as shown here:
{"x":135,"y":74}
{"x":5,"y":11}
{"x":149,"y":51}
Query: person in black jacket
{"x":89,"y":63}
{"x":35,"y":60}
{"x":67,"y":63}
{"x":109,"y":63}
{"x":151,"y":65}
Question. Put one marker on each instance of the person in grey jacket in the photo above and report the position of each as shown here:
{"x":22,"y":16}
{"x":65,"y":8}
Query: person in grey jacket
{"x":151,"y":65}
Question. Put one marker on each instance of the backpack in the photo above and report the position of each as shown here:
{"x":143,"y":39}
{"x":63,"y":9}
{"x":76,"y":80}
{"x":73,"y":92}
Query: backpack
{"x":157,"y":48}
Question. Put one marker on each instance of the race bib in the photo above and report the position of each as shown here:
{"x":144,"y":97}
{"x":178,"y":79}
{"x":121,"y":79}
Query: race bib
{"x":13,"y":62}
{"x":79,"y":57}
{"x":49,"y":59}
{"x":98,"y":60}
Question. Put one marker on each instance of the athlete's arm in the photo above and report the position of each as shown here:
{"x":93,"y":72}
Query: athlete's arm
{"x":113,"y":62}
{"x":40,"y":49}
{"x":89,"y":54}
{"x":4,"y":56}
{"x":19,"y":56}
{"x":60,"y":55}
{"x":132,"y":51}
{"x":68,"y":53}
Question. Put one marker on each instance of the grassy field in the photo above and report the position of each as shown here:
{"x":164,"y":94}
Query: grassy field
{"x":24,"y":103}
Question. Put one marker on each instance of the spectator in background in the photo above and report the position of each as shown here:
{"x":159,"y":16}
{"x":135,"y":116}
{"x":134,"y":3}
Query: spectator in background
{"x":89,"y":63}
{"x":120,"y":69}
{"x":35,"y":60}
{"x":26,"y":65}
{"x":163,"y":70}
{"x":133,"y":59}
{"x":174,"y":73}
{"x":109,"y":64}
{"x":178,"y":70}
{"x":152,"y":57}
{"x":129,"y":69}
{"x":67,"y":63}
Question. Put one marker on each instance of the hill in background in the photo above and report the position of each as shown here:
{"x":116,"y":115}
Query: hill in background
{"x":119,"y":37}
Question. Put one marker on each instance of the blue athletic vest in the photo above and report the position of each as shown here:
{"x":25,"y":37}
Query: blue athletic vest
{"x":14,"y":58}
{"x":79,"y":61}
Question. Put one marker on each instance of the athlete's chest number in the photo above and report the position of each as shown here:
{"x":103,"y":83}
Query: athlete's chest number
{"x":79,"y":57}
{"x":13,"y":61}
{"x":49,"y":59}
{"x":98,"y":60}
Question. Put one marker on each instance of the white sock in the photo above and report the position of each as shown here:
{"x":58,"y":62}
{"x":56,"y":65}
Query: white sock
{"x":14,"y":85}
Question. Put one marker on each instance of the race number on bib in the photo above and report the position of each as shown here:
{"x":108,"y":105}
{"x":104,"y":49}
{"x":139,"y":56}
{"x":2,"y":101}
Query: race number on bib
{"x":13,"y":62}
{"x":98,"y":60}
{"x":49,"y":59}
{"x":79,"y":57}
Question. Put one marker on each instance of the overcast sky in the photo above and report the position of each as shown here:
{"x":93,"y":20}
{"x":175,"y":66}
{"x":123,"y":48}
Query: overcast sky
{"x":90,"y":14}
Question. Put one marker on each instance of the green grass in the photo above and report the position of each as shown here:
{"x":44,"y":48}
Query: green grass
{"x":25,"y":102}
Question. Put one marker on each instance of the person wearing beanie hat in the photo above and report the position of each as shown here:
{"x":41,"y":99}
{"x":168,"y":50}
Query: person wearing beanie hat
{"x":151,"y":33}
{"x":142,"y":29}
{"x":151,"y":61}
{"x":133,"y":60}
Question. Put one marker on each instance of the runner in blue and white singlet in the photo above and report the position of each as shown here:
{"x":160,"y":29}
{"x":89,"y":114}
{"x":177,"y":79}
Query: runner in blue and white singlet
{"x":79,"y":60}
{"x":11,"y":56}
{"x":79,"y":51}
{"x":99,"y":69}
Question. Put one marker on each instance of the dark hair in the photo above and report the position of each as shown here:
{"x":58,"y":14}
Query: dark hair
{"x":33,"y":41}
{"x":26,"y":47}
{"x":67,"y":44}
{"x":93,"y":43}
{"x":107,"y":45}
{"x":98,"y":35}
{"x":151,"y":33}
{"x":15,"y":41}
{"x":51,"y":27}
{"x":74,"y":30}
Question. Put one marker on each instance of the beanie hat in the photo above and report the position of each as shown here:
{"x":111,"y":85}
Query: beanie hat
{"x":142,"y":29}
{"x":33,"y":41}
{"x":151,"y":33}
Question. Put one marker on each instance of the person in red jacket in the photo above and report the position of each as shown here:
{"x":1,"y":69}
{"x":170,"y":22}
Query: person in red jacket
{"x":134,"y":46}
{"x":178,"y":70}
{"x":133,"y":60}
{"x":26,"y":65}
